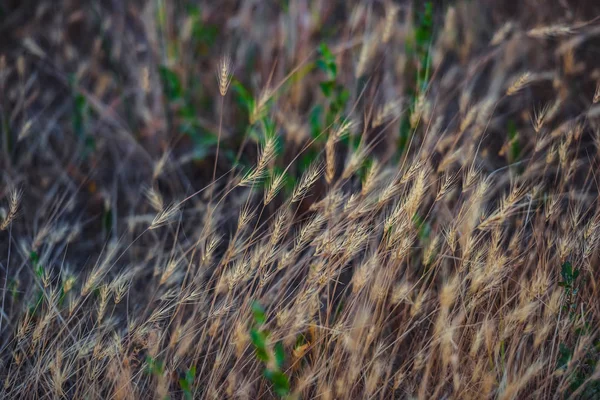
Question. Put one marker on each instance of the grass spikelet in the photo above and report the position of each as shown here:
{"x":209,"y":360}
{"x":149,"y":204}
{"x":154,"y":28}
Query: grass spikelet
{"x":237,"y":273}
{"x":432,"y":248}
{"x":519,"y":83}
{"x":450,"y":180}
{"x":550,"y":31}
{"x":13,"y":208}
{"x":276,"y":184}
{"x":266,"y":156}
{"x":469,"y":118}
{"x":420,"y":111}
{"x":155,"y":199}
{"x":355,"y":162}
{"x":539,"y":117}
{"x":170,"y":268}
{"x":389,"y":110}
{"x":391,"y":13}
{"x":211,"y":246}
{"x":471,"y":177}
{"x":104,"y":293}
{"x":330,"y":159}
{"x":224,"y":74}
{"x":368,"y":49}
{"x":165,"y":216}
{"x":308,"y":179}
{"x":159,"y":166}
{"x":244,"y":217}
{"x":502,"y":33}
{"x":370,"y":178}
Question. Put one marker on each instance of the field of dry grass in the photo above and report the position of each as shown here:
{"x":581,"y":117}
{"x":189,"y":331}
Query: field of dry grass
{"x":299,"y":199}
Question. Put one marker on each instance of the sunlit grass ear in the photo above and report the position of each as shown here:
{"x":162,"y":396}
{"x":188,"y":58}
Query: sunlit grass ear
{"x":13,"y":208}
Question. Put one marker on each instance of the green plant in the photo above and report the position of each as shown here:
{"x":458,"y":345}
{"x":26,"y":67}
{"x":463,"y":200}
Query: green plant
{"x":187,"y":381}
{"x":187,"y":121}
{"x":569,"y":283}
{"x":418,"y":55}
{"x":154,"y":366}
{"x":274,"y":357}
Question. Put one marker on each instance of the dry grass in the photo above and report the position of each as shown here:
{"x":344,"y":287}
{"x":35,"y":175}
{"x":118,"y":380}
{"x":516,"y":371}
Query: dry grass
{"x":459,"y":261}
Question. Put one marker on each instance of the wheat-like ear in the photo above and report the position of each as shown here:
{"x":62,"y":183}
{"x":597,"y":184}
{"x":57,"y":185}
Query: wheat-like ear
{"x":471,"y":177}
{"x":159,"y":166}
{"x":104,"y":292}
{"x":224,"y":74}
{"x":276,"y":184}
{"x":370,"y":177}
{"x":388,"y":110}
{"x":154,"y":198}
{"x":165,"y":216}
{"x":209,"y":250}
{"x":13,"y":208}
{"x":469,"y":118}
{"x":539,"y":117}
{"x":367,"y":51}
{"x":420,"y":110}
{"x":309,"y":177}
{"x":172,"y":265}
{"x":330,"y":159}
{"x":502,"y":33}
{"x":355,"y":161}
{"x":280,"y":225}
{"x":25,"y":130}
{"x":245,"y":216}
{"x":550,"y":31}
{"x":597,"y":93}
{"x":449,"y":181}
{"x":266,"y":156}
{"x":390,"y":21}
{"x":519,"y":83}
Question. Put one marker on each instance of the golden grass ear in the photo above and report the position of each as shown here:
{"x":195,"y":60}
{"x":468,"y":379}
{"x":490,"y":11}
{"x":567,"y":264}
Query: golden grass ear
{"x":13,"y":208}
{"x":308,"y":179}
{"x":519,"y":83}
{"x":224,"y":74}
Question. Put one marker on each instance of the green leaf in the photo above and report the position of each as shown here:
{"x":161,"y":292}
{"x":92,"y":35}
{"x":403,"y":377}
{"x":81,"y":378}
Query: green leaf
{"x":327,"y":61}
{"x":171,"y":84}
{"x":281,"y":384}
{"x":244,"y":97}
{"x":315,"y":117}
{"x":279,"y":355}
{"x":187,"y":382}
{"x":34,"y":258}
{"x":325,"y":52}
{"x":13,"y":288}
{"x":322,"y":65}
{"x":259,"y":313}
{"x":259,"y":341}
{"x":564,"y":355}
{"x":567,"y":272}
{"x":107,"y":220}
{"x":154,"y":367}
{"x":327,"y":87}
{"x":269,"y":129}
